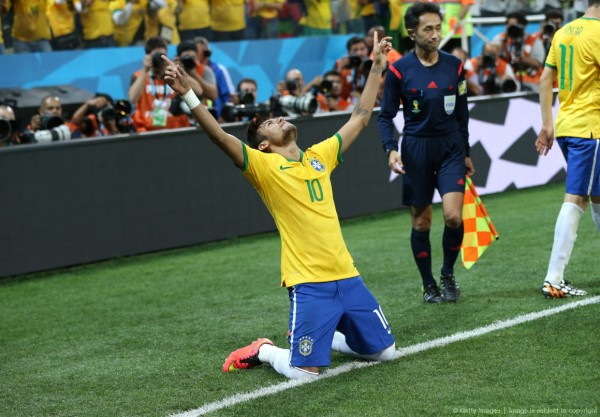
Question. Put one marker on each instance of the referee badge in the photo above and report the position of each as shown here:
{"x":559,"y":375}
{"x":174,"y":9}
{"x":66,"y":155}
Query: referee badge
{"x":462,"y":88}
{"x":449,"y":103}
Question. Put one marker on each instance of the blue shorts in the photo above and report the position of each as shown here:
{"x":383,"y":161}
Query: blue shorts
{"x":317,"y":310}
{"x":431,"y":163}
{"x":583,"y":165}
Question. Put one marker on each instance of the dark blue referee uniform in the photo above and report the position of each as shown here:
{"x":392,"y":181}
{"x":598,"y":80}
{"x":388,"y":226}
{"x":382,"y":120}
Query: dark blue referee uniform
{"x":436,"y":117}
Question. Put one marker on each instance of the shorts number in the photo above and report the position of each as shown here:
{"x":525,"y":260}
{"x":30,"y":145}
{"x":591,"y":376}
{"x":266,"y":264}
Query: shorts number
{"x":314,"y":190}
{"x":381,"y":317}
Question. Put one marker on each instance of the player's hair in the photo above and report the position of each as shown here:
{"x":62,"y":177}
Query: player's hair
{"x":414,"y":12}
{"x":593,"y":3}
{"x":519,"y":17}
{"x":153,"y":43}
{"x":252,"y":135}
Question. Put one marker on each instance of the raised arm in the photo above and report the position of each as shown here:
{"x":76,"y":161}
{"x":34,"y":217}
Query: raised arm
{"x":178,"y":80}
{"x":362,"y":110}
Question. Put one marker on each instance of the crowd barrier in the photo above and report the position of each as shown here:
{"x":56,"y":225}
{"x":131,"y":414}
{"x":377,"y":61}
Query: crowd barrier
{"x":76,"y":202}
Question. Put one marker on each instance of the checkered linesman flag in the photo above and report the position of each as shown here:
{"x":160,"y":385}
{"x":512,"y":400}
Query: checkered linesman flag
{"x":479,"y":229}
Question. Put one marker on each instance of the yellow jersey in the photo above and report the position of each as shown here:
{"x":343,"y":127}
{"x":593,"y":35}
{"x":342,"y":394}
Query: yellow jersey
{"x":299,"y":196}
{"x":228,"y":15}
{"x":30,"y":21}
{"x":194,"y":15}
{"x":575,"y":55}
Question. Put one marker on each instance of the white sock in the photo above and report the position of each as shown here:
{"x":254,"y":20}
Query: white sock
{"x":279,"y":359}
{"x":596,"y":214}
{"x":339,"y":345}
{"x":565,"y":234}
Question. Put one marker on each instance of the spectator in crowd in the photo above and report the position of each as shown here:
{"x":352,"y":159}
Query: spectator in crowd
{"x":61,"y":17}
{"x":152,"y":97}
{"x":346,"y":15}
{"x":395,"y":25}
{"x":392,"y":56}
{"x":293,"y":97}
{"x":406,"y":43}
{"x":553,"y":20}
{"x":263,"y":19}
{"x":524,"y":52}
{"x":194,"y":20}
{"x":161,"y":20}
{"x":351,"y":66}
{"x":328,"y":90}
{"x":318,"y":18}
{"x":228,"y":19}
{"x":2,"y":13}
{"x":367,"y":14}
{"x":455,"y":12}
{"x":128,"y":18}
{"x":9,"y":128}
{"x":97,"y":24}
{"x":30,"y":30}
{"x":489,"y":73}
{"x":221,"y":88}
{"x":293,"y":83}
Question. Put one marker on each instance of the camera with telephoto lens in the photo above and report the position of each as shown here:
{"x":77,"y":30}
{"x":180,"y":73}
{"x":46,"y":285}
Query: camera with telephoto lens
{"x":324,"y":88}
{"x":354,"y":61}
{"x":188,"y":62}
{"x":292,"y":85}
{"x":293,"y":105}
{"x":120,"y":113}
{"x":157,"y":61}
{"x":488,"y":78}
{"x":549,"y":28}
{"x":232,"y":112}
{"x":7,"y":128}
{"x":53,"y":130}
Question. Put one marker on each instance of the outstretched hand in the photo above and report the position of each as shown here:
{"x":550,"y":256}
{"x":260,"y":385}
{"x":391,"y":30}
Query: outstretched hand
{"x":176,"y":77}
{"x":381,"y":49}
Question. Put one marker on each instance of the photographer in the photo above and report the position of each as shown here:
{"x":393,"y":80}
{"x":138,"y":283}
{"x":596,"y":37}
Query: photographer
{"x":48,"y":125}
{"x":524,"y":52}
{"x":100,"y":116}
{"x":354,"y":67}
{"x":150,"y":94}
{"x":553,"y":21}
{"x":292,"y":98}
{"x":328,"y":89}
{"x":243,"y":105}
{"x":490,"y":74}
{"x":9,"y":128}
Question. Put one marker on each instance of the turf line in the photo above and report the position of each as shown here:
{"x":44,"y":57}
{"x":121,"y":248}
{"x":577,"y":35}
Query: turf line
{"x":401,"y":352}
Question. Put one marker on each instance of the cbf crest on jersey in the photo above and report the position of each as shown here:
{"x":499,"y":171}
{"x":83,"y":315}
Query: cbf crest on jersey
{"x":449,"y":103}
{"x":305,"y":345}
{"x":317,"y":165}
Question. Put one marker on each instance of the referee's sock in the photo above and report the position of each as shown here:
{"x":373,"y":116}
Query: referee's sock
{"x":451,"y":242}
{"x":421,"y":249}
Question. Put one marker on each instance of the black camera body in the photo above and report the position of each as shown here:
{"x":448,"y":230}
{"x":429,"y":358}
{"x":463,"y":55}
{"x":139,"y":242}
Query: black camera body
{"x":232,"y":112}
{"x":7,"y":128}
{"x":292,"y":105}
{"x":188,"y":62}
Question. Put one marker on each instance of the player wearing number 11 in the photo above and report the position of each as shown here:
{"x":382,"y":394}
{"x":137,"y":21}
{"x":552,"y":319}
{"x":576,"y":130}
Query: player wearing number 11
{"x":574,"y":62}
{"x":330,"y":306}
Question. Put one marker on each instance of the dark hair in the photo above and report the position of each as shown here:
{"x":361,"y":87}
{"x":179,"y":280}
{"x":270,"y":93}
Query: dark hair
{"x":186,"y":46}
{"x":252,"y":135}
{"x":414,"y":12}
{"x":332,"y":72}
{"x":554,"y":14}
{"x":593,"y":3}
{"x":354,"y":40}
{"x":153,"y":43}
{"x":519,"y":17}
{"x":246,"y":80}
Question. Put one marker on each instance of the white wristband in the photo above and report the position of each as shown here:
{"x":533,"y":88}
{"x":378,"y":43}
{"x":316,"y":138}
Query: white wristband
{"x":190,"y":99}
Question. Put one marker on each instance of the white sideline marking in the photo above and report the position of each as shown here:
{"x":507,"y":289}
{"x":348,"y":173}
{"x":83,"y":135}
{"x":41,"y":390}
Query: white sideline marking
{"x":406,"y":351}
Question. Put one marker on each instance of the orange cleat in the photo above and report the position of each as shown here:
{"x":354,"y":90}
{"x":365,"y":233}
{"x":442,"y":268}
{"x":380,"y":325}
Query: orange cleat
{"x":246,"y":357}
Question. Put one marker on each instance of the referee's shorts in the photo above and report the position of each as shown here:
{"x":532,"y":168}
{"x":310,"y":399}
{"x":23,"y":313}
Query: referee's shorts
{"x":432,"y":162}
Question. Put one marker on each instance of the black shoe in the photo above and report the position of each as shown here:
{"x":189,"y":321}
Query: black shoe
{"x":450,"y":289}
{"x":432,"y":294}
